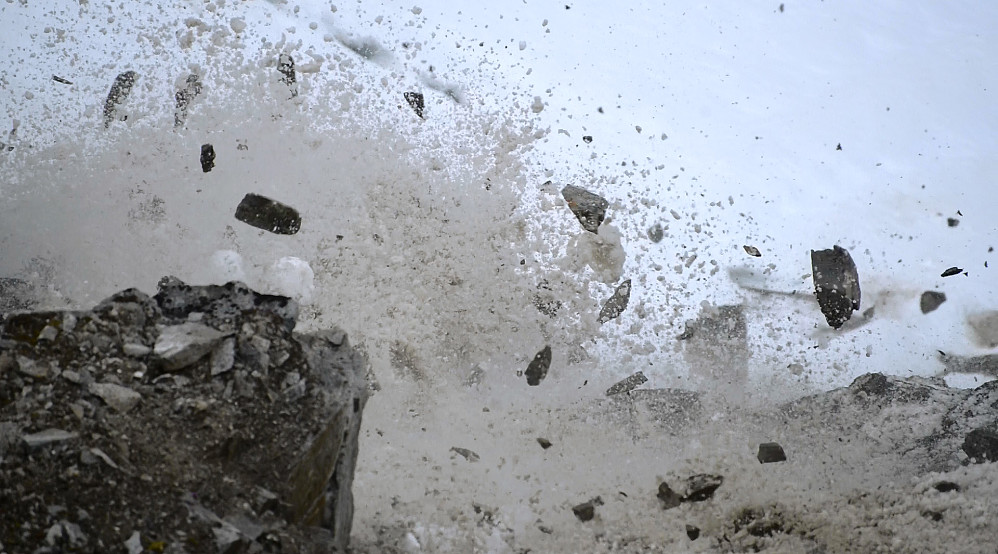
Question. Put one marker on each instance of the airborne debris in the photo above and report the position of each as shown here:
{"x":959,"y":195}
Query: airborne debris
{"x":467,"y":454}
{"x":269,"y":215}
{"x":628,"y":384}
{"x":415,"y":100}
{"x":692,"y":531}
{"x":770,"y":452}
{"x":952,"y":221}
{"x":207,"y":157}
{"x":587,"y":510}
{"x":545,"y":444}
{"x":538,"y":368}
{"x":616,"y":304}
{"x":701,"y":487}
{"x":59,"y":79}
{"x":656,"y":233}
{"x":120,"y":90}
{"x":951,"y":271}
{"x":836,"y":284}
{"x":752,"y":251}
{"x":184,"y":97}
{"x":589,"y":208}
{"x":931,"y":300}
{"x":587,"y":139}
{"x":286,"y":66}
{"x":670,"y":498}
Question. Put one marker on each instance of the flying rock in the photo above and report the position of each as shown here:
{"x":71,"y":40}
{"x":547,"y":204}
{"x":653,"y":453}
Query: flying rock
{"x":656,"y":233}
{"x":616,"y":304}
{"x":120,"y":90}
{"x":184,"y":97}
{"x":269,"y":215}
{"x":538,"y":368}
{"x":951,"y":271}
{"x":207,"y":157}
{"x":931,"y":300}
{"x":701,"y":487}
{"x":770,"y":452}
{"x":836,"y":284}
{"x":752,"y":251}
{"x":589,"y":208}
{"x":415,"y":100}
{"x":286,"y":67}
{"x":627,"y":384}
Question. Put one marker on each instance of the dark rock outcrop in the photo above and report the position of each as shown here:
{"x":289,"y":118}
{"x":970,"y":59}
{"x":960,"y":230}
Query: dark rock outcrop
{"x":192,"y":421}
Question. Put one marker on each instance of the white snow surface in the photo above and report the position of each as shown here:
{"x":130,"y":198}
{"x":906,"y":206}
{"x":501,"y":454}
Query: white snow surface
{"x":428,"y":240}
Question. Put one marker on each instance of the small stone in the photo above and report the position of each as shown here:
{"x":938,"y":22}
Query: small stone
{"x":770,"y":452}
{"x":670,"y":499}
{"x":135,"y":350}
{"x":545,"y":444}
{"x":32,"y":368}
{"x":585,"y":511}
{"x":616,"y":304}
{"x":207,"y":157}
{"x":589,"y":208}
{"x":47,"y":437}
{"x":184,"y":97}
{"x":931,"y":300}
{"x":467,"y":454}
{"x":981,"y":445}
{"x":134,"y":543}
{"x":121,"y":399}
{"x":49,"y":333}
{"x":656,"y":233}
{"x":946,"y":486}
{"x":628,"y":384}
{"x":286,"y":67}
{"x":952,"y":221}
{"x":836,"y":284}
{"x":587,"y":139}
{"x":692,"y":531}
{"x":538,"y":368}
{"x":752,"y":251}
{"x":951,"y":271}
{"x":120,"y":90}
{"x":701,"y":487}
{"x":415,"y":100}
{"x":269,"y":215}
{"x":180,"y":346}
{"x":223,"y":356}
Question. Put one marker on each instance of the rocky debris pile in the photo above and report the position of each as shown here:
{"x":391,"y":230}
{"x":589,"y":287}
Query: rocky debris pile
{"x":192,"y":421}
{"x":589,"y":208}
{"x":836,"y":284}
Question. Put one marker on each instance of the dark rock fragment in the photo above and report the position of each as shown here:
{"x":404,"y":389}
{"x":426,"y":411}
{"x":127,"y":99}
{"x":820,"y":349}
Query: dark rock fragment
{"x":770,"y":452}
{"x":752,"y":251}
{"x":286,"y":66}
{"x":587,"y":510}
{"x":269,"y":215}
{"x":931,"y":300}
{"x":701,"y":487}
{"x":692,"y":531}
{"x":951,"y":271}
{"x":628,"y":384}
{"x":545,"y":444}
{"x":589,"y":208}
{"x":946,"y":486}
{"x":670,"y":498}
{"x":415,"y":100}
{"x":981,"y":445}
{"x":616,"y":304}
{"x":587,"y":139}
{"x":952,"y":221}
{"x":59,"y":79}
{"x":538,"y":368}
{"x":469,"y":455}
{"x":120,"y":90}
{"x":656,"y":233}
{"x":836,"y":284}
{"x":207,"y":157}
{"x":184,"y":97}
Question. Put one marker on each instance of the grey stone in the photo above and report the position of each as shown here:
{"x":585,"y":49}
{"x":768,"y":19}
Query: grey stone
{"x":120,"y":398}
{"x":184,"y":97}
{"x":415,"y":100}
{"x":931,"y":300}
{"x":47,"y":437}
{"x":465,"y":453}
{"x":836,"y":284}
{"x":538,"y":368}
{"x":135,"y":350}
{"x":286,"y":67}
{"x":589,"y":208}
{"x":670,"y":498}
{"x":179,"y":346}
{"x":119,"y":92}
{"x":32,"y":368}
{"x":770,"y":452}
{"x":223,"y":356}
{"x":628,"y":384}
{"x":701,"y":487}
{"x":270,"y":215}
{"x":616,"y":304}
{"x":656,"y":233}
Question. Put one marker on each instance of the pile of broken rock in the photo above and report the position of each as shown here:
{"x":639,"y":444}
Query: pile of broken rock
{"x":192,"y":421}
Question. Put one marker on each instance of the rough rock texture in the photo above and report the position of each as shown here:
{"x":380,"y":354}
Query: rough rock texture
{"x":119,"y":92}
{"x":836,"y":284}
{"x":195,"y":421}
{"x":589,"y":208}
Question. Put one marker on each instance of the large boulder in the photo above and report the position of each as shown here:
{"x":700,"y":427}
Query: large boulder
{"x":192,"y":421}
